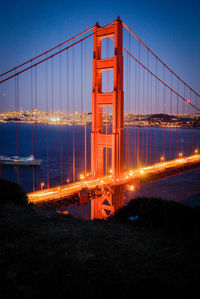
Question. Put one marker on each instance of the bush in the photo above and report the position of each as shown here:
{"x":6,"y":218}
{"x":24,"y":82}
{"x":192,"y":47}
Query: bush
{"x":12,"y":192}
{"x":155,"y":212}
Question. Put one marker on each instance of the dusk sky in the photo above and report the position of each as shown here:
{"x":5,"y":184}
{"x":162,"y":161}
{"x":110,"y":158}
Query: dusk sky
{"x":169,"y":28}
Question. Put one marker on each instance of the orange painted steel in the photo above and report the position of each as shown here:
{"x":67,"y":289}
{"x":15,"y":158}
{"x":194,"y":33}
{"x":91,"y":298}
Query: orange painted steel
{"x":114,"y":140}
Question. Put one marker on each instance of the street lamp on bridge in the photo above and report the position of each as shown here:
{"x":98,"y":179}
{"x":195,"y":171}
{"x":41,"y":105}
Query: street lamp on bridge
{"x":162,"y":159}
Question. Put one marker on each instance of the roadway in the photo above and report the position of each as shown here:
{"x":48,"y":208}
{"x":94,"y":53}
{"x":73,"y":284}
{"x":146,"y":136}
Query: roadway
{"x":130,"y":179}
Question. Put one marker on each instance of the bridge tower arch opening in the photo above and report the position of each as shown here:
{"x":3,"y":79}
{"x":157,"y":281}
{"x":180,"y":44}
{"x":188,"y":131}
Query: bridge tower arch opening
{"x":99,"y":139}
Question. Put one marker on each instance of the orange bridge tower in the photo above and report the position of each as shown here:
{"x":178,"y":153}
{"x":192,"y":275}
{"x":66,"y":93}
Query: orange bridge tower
{"x":112,"y":198}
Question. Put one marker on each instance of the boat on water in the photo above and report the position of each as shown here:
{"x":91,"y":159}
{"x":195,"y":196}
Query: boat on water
{"x":16,"y":160}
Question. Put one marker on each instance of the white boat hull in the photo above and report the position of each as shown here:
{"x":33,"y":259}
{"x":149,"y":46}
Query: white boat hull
{"x":15,"y":161}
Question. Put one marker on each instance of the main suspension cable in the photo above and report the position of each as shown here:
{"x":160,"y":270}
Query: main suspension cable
{"x":46,"y":52}
{"x":189,"y":103}
{"x":49,"y":57}
{"x":159,"y":59}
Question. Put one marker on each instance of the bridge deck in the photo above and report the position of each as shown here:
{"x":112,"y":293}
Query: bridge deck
{"x":142,"y":175}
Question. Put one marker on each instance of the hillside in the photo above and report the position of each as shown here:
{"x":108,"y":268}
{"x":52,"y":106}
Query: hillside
{"x":47,"y":254}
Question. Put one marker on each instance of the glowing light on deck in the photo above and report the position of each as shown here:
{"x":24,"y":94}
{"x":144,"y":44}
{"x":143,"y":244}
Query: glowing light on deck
{"x":72,"y":187}
{"x":42,"y":185}
{"x":131,"y":188}
{"x":82,"y":176}
{"x":43,"y":194}
{"x":57,"y":192}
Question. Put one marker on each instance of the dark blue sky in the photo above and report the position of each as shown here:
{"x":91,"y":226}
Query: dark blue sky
{"x":170,"y":28}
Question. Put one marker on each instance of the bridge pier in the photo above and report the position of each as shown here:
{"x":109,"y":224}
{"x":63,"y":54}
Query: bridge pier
{"x":109,"y":202}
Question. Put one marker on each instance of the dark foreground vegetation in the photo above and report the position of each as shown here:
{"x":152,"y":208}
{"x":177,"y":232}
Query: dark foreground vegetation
{"x":49,"y":255}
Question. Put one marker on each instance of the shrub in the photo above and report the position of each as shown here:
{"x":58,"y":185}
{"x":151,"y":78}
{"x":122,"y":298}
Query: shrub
{"x":12,"y":192}
{"x":155,"y":212}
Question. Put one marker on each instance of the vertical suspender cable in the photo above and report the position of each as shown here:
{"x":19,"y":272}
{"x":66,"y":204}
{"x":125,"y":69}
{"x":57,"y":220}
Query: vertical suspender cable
{"x":150,"y":145}
{"x":143,"y":87}
{"x":82,"y":135}
{"x":73,"y":116}
{"x":193,"y":120}
{"x":52,"y":95}
{"x":164,"y":114}
{"x":67,"y":137}
{"x":183,"y":112}
{"x":85,"y":116}
{"x":129,"y":107}
{"x":135,"y":129}
{"x":156,"y":106}
{"x":61,"y":168}
{"x":177,"y":118}
{"x":196,"y":145}
{"x":17,"y":125}
{"x":32,"y":108}
{"x":36,"y":126}
{"x":138,"y":137}
{"x":170,"y":134}
{"x":147,"y":111}
{"x":47,"y":110}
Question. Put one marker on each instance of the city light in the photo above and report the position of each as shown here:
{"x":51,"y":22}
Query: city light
{"x":141,"y":171}
{"x":76,"y":118}
{"x":55,"y":119}
{"x":180,"y":155}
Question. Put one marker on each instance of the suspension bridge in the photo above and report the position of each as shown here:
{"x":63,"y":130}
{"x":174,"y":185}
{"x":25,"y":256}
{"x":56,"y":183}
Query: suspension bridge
{"x":126,"y":111}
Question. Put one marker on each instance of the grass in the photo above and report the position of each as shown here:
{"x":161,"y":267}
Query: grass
{"x":57,"y":256}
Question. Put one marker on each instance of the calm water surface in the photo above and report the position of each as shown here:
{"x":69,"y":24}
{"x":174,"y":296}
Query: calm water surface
{"x":54,"y":145}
